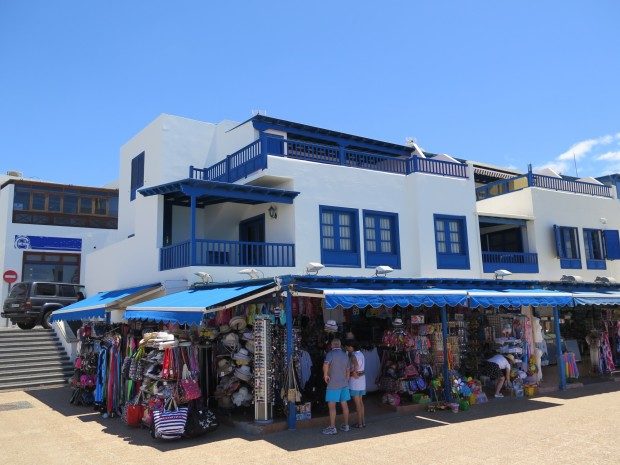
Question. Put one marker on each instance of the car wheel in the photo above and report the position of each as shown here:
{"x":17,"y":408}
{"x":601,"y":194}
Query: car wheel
{"x":45,"y":321}
{"x":26,"y":325}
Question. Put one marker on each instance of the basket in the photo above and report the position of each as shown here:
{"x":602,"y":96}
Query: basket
{"x":530,"y":390}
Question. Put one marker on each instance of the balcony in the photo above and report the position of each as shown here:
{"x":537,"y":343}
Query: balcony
{"x":253,"y":157}
{"x":515,"y":262}
{"x":517,"y":183}
{"x":226,"y":253}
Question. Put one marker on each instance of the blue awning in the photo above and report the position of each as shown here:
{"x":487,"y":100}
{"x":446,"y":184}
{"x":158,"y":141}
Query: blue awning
{"x":348,"y":298}
{"x":519,"y":297}
{"x":189,"y":307}
{"x":597,"y":298}
{"x":96,"y":305}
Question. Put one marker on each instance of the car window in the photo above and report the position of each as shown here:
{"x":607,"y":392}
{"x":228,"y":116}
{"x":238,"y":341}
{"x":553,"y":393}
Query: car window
{"x":19,"y":290}
{"x":45,"y":289}
{"x":66,"y":290}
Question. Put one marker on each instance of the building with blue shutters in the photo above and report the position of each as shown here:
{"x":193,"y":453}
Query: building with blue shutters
{"x":274,"y":195}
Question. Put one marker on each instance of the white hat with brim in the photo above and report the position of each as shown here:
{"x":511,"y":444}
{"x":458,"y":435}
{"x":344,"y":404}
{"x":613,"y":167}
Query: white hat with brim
{"x":331,"y":326}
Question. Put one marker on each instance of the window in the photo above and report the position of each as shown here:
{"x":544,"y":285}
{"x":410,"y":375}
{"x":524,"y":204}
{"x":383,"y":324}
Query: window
{"x":58,"y":205}
{"x":45,"y":289}
{"x":66,"y":290}
{"x":137,"y":175}
{"x":593,"y":244}
{"x":451,"y":242}
{"x":339,"y":236}
{"x":567,"y":247}
{"x":54,"y":267}
{"x":381,"y":245}
{"x":19,"y":290}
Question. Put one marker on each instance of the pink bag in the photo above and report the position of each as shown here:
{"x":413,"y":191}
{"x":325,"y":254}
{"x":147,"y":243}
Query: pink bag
{"x":87,"y":380}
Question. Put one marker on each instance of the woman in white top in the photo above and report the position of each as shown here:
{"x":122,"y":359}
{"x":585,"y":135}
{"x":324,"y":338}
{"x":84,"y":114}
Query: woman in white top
{"x":357,"y":380}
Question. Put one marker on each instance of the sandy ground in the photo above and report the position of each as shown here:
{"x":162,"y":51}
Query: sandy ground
{"x":579,"y":426}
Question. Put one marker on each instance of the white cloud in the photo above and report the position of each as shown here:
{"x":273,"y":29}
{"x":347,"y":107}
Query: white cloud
{"x":598,"y":163}
{"x":609,"y":156}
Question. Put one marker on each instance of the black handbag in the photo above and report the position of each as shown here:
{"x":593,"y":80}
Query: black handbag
{"x":200,"y":420}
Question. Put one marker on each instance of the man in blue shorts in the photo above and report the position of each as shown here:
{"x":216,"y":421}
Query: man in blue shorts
{"x":336,"y":371}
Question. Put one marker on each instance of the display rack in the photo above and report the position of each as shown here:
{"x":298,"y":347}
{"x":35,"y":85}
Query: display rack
{"x":263,"y":371}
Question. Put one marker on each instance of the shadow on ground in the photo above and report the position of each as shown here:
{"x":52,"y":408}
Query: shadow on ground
{"x":378,"y":425}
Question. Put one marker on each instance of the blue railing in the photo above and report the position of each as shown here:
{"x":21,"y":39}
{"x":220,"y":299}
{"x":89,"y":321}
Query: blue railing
{"x":578,"y":187}
{"x":506,"y":186}
{"x":373,"y":161}
{"x":240,"y":164}
{"x":440,"y":167}
{"x":514,"y":262}
{"x":298,"y":150}
{"x":227,"y":253}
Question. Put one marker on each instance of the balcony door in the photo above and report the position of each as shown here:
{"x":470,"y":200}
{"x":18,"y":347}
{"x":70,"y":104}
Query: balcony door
{"x":250,"y":231}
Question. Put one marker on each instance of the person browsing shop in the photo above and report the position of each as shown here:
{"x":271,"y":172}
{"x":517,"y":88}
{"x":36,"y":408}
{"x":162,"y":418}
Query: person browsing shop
{"x":357,"y":380}
{"x":498,"y":368}
{"x":336,"y":373}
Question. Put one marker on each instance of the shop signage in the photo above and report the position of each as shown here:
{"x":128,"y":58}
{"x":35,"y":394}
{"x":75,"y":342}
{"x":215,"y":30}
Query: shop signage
{"x":10,"y":276}
{"x":47,"y":243}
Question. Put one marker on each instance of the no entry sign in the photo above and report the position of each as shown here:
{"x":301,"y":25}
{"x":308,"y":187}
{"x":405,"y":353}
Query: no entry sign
{"x":10,"y":276}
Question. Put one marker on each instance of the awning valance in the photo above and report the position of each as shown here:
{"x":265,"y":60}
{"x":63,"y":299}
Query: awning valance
{"x":189,"y":307}
{"x":518,"y":297}
{"x":597,"y":298}
{"x":95,"y":306}
{"x":348,"y":298}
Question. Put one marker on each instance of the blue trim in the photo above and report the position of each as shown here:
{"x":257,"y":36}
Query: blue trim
{"x":182,"y":318}
{"x":373,"y":259}
{"x":518,"y":297}
{"x":514,"y":262}
{"x":594,"y":248}
{"x":422,"y":299}
{"x":612,"y":244}
{"x":567,"y":237}
{"x":597,"y":298}
{"x":449,"y":260}
{"x":336,"y":256}
{"x":192,"y":225}
{"x":78,"y":315}
{"x":137,"y":175}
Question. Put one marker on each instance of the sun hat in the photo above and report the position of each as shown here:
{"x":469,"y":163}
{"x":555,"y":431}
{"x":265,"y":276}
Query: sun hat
{"x":237,"y":323}
{"x":510,"y":357}
{"x":224,"y":329}
{"x":331,"y":326}
{"x":242,"y":356}
{"x":397,"y":322}
{"x":244,"y":373}
{"x":231,"y":340}
{"x":224,"y":367}
{"x":211,"y":333}
{"x":247,"y":335}
{"x":250,"y":346}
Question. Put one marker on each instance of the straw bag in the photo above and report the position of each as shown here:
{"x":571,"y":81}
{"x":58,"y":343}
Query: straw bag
{"x":292,"y":393}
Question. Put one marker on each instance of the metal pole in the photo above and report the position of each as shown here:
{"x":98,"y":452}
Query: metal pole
{"x":192,"y":244}
{"x":447,"y":386}
{"x":558,"y":343}
{"x":292,"y":413}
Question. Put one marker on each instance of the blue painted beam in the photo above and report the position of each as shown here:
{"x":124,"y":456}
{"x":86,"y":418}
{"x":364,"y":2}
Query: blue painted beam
{"x":292,"y":413}
{"x":558,"y":343}
{"x":447,"y":385}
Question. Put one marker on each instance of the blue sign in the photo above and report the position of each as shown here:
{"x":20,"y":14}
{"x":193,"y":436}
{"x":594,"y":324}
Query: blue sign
{"x":68,"y":244}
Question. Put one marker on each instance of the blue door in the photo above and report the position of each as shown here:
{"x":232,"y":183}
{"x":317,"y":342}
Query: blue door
{"x":252,"y":238}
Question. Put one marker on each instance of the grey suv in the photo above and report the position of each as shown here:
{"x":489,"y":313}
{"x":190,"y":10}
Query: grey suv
{"x":32,"y":303}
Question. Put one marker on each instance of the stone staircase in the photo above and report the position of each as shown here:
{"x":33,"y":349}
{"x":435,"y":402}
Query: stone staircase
{"x":30,"y":359}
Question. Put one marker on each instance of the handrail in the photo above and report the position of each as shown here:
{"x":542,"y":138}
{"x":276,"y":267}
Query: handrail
{"x":578,"y":187}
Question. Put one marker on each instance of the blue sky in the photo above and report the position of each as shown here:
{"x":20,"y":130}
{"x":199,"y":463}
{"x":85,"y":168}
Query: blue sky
{"x":508,"y":83}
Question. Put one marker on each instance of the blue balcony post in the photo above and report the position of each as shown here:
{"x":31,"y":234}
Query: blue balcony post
{"x":292,"y":417}
{"x":558,"y":343}
{"x":530,"y":176}
{"x":191,"y":171}
{"x":342,"y":155}
{"x":447,"y":385}
{"x":192,"y":241}
{"x":415,"y":165}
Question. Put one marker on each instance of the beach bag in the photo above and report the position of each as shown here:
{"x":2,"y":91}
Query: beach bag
{"x":134,"y":411}
{"x":169,"y":423}
{"x":200,"y":420}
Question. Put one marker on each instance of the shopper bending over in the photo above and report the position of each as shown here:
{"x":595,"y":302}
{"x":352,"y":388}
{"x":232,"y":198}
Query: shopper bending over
{"x":357,"y":380}
{"x":498,"y":368}
{"x":336,"y":369}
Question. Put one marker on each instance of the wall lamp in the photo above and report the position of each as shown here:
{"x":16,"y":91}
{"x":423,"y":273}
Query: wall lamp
{"x":314,"y":268}
{"x":383,"y":270}
{"x":273,"y":211}
{"x":206,"y":277}
{"x":253,"y":273}
{"x":499,"y":274}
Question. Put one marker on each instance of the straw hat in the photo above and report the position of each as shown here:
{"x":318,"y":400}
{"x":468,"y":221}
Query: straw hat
{"x":224,"y":329}
{"x":244,"y":373}
{"x":250,"y":346}
{"x":231,"y":340}
{"x":397,"y":322}
{"x":242,"y":356}
{"x":247,"y":335}
{"x":510,"y":358}
{"x":237,"y":323}
{"x":331,"y":326}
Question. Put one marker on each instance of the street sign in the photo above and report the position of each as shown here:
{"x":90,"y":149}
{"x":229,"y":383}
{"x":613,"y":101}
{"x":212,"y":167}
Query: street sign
{"x":10,"y":276}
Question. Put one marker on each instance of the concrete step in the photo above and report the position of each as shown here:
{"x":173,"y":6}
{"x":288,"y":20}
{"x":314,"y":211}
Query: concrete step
{"x":33,"y":361}
{"x":29,"y":340}
{"x":31,"y":346}
{"x":7,"y":386}
{"x":24,"y":332}
{"x":27,"y":373}
{"x":38,"y":377}
{"x":30,"y":352}
{"x":29,"y":366}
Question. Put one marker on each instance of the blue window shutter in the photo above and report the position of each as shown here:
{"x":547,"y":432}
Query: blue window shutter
{"x":612,"y":244}
{"x":558,"y":241}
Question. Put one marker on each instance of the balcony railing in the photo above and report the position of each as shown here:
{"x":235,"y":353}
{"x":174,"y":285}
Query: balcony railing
{"x":506,"y":186}
{"x":514,"y":262}
{"x":227,"y":253}
{"x":253,"y":157}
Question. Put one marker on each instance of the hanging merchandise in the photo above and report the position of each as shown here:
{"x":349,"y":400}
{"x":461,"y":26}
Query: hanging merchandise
{"x":169,"y":423}
{"x":263,"y":370}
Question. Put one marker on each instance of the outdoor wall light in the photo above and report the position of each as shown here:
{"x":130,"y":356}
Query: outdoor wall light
{"x":604,"y":280}
{"x":499,"y":274}
{"x":253,"y":273}
{"x":273,"y":212}
{"x":314,"y":268}
{"x":569,"y":278}
{"x":206,"y":277}
{"x":383,"y":270}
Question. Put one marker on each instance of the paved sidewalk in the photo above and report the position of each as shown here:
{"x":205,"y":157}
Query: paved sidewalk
{"x":574,"y":427}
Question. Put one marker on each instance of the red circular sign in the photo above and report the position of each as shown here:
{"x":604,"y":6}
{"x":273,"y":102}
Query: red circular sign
{"x":10,"y":276}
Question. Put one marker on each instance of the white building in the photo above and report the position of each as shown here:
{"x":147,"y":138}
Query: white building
{"x":49,"y":228}
{"x":274,"y":195}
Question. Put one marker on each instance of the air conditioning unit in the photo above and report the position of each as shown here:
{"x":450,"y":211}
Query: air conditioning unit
{"x":15,"y":174}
